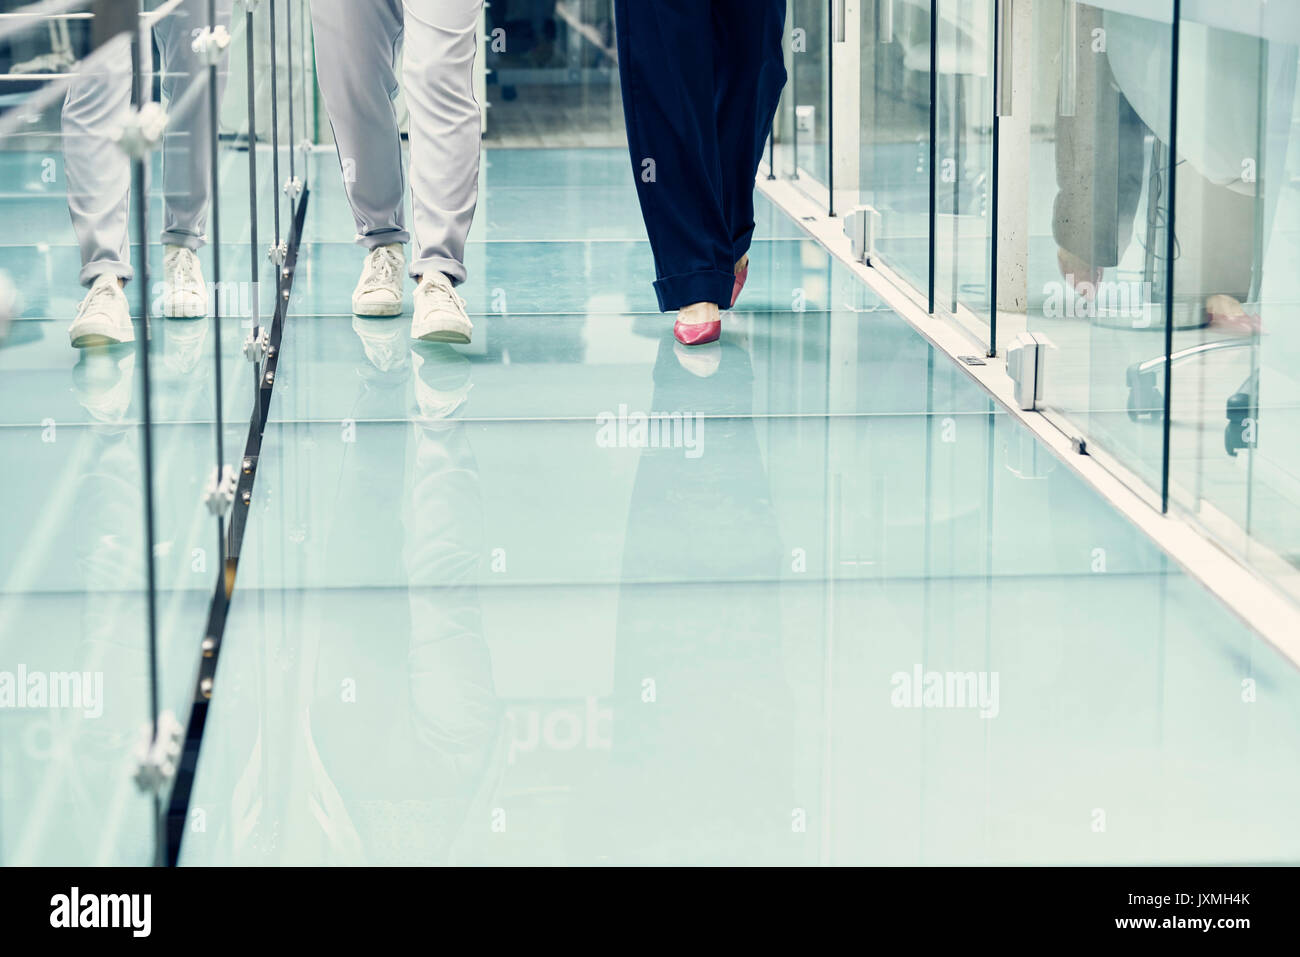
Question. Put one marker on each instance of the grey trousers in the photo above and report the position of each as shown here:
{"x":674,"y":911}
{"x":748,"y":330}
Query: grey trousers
{"x":357,"y":44}
{"x":99,"y":173}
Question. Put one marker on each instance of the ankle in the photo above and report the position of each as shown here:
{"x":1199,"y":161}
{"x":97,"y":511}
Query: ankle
{"x":698,"y":312}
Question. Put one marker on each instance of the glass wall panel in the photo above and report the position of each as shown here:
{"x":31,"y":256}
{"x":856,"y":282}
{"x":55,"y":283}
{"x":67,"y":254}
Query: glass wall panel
{"x":895,"y":132}
{"x":1235,"y":427}
{"x":1098,"y":215}
{"x":808,"y":87}
{"x":75,"y":666}
{"x":963,"y":254}
{"x":552,"y":77}
{"x":186,"y":293}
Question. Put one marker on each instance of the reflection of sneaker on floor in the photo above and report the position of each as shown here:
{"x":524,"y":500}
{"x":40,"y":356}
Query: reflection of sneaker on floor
{"x":183,"y":346}
{"x":102,"y":382}
{"x":379,"y":290}
{"x":442,"y":380}
{"x":440,"y":314}
{"x":55,"y":62}
{"x":185,"y":296}
{"x":103,"y":318}
{"x":385,"y":343}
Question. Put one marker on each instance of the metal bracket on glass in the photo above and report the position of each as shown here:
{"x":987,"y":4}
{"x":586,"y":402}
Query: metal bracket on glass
{"x":210,"y":44}
{"x":142,"y":132}
{"x":257,"y":346}
{"x":305,"y":146}
{"x":220,"y":493}
{"x":278,"y":254}
{"x":157,"y":757}
{"x":1025,"y":365}
{"x":293,"y":187}
{"x":862,"y":226}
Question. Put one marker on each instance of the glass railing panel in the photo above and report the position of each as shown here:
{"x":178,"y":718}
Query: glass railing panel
{"x":76,"y":676}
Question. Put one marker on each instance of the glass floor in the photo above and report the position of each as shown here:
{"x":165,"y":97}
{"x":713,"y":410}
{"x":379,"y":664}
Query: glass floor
{"x":576,"y":595}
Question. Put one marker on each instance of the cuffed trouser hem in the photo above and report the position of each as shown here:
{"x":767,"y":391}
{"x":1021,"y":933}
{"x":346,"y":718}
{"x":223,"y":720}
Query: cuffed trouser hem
{"x":384,"y":237}
{"x":684,"y":289}
{"x":190,"y":241}
{"x":92,"y":271}
{"x":453,"y":270}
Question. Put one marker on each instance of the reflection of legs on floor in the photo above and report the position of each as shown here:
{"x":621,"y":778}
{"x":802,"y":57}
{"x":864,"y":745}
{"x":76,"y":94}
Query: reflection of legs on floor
{"x":705,"y":768}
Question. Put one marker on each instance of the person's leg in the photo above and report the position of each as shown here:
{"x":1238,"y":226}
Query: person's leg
{"x":445,"y":130}
{"x":749,"y":74}
{"x":356,"y":57}
{"x":98,"y":172}
{"x":666,"y":69}
{"x":187,"y":146}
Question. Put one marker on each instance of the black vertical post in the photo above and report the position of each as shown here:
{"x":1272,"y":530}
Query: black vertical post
{"x":934,"y":94}
{"x":254,"y":268}
{"x":214,"y":212}
{"x":830,"y":108}
{"x":994,"y":197}
{"x":1170,"y":247}
{"x":139,"y":186}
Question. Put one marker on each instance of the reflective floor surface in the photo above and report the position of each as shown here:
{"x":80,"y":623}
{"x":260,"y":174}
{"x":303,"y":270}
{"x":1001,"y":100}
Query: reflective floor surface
{"x":575,"y":594}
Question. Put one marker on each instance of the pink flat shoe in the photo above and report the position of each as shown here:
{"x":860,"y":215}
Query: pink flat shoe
{"x":742,"y":273}
{"x":698,"y":324}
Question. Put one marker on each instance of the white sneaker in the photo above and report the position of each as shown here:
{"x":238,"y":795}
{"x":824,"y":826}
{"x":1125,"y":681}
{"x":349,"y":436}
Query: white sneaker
{"x":439,"y":313}
{"x":185,"y":296}
{"x":103,"y":318}
{"x":379,"y":292}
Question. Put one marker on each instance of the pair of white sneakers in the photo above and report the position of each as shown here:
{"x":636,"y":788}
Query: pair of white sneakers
{"x":440,"y":314}
{"x":104,"y":316}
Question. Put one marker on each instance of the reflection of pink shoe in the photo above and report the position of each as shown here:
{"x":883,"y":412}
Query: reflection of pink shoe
{"x":1226,"y":313}
{"x":742,"y":273}
{"x":697,"y":324}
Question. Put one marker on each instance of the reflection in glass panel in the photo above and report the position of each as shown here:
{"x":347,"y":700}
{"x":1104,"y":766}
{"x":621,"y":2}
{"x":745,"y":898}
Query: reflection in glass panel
{"x":964,"y":177}
{"x":808,"y":92}
{"x":1233,"y":444}
{"x":187,"y":294}
{"x":74,"y":664}
{"x":1098,"y":200}
{"x":895,"y":131}
{"x":553,"y":74}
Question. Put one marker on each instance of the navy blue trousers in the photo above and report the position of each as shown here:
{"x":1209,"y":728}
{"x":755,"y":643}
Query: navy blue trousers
{"x":701,"y":80}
